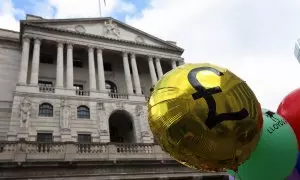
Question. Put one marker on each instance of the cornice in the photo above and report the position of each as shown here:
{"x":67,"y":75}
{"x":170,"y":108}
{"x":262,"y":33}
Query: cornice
{"x":79,"y":98}
{"x":102,"y":37}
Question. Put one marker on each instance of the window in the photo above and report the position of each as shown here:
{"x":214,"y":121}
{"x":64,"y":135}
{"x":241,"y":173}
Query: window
{"x":84,"y":138}
{"x":46,"y":58}
{"x":83,"y":112}
{"x":111,"y":87}
{"x":44,"y":137}
{"x":107,"y":66}
{"x":46,"y":110}
{"x":84,"y":141}
{"x":78,"y":87}
{"x":46,"y":83}
{"x":77,"y":63}
{"x":44,"y":142}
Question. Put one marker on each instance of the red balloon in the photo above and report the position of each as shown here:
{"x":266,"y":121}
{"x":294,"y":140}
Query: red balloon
{"x":289,"y":109}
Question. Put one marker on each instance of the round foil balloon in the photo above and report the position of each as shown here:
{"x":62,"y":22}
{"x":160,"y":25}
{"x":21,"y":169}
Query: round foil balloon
{"x":276,"y":153}
{"x":205,"y":117}
{"x":289,"y":109}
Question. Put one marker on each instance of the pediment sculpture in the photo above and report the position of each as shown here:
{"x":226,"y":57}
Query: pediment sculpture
{"x":111,"y":28}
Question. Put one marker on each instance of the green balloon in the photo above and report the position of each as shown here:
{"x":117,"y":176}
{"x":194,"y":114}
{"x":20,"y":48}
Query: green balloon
{"x":275,"y":155}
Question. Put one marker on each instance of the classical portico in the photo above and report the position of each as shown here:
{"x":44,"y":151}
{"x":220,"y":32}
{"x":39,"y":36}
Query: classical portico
{"x":96,"y":82}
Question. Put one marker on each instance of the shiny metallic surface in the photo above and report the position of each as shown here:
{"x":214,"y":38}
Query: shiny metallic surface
{"x":205,"y":117}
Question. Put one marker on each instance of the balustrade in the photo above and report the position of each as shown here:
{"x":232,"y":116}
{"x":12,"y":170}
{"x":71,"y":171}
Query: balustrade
{"x":118,"y":96}
{"x":65,"y":151}
{"x":37,"y":147}
{"x":82,"y":92}
{"x":47,"y":89}
{"x":134,"y":148}
{"x":92,"y":148}
{"x":6,"y":147}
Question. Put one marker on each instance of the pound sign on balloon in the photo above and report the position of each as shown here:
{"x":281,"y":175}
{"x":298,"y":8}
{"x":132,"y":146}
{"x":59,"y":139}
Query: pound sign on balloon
{"x":212,"y":119}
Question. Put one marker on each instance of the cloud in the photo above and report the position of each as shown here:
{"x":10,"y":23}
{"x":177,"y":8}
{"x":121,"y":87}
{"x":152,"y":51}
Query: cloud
{"x":7,"y":15}
{"x":253,"y":38}
{"x":60,"y":9}
{"x":42,"y":8}
{"x":89,"y":8}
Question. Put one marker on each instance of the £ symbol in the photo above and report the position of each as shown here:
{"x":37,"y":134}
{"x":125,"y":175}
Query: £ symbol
{"x":212,"y":119}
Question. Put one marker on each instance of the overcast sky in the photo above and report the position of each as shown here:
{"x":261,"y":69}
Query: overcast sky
{"x":253,"y":38}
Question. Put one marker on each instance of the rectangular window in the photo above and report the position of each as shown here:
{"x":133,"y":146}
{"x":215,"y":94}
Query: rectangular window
{"x":44,"y":137}
{"x":44,"y":142}
{"x":84,"y":138}
{"x":84,"y":141}
{"x":107,"y":66}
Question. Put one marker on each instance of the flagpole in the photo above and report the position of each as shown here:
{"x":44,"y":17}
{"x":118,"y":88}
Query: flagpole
{"x":100,"y":8}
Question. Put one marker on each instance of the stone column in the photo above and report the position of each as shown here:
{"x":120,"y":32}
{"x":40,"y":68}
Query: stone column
{"x":24,"y":60}
{"x":174,"y":64}
{"x":60,"y":65}
{"x":35,"y":62}
{"x":152,"y":70}
{"x":135,"y":73}
{"x":158,"y":67}
{"x":92,"y":76}
{"x":101,"y":76}
{"x":70,"y":80}
{"x":127,"y":73}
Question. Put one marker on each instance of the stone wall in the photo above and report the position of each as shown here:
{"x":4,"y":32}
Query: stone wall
{"x":97,"y":125}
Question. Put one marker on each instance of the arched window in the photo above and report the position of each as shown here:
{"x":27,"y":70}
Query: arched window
{"x":83,"y":112}
{"x":46,"y":110}
{"x":111,"y":87}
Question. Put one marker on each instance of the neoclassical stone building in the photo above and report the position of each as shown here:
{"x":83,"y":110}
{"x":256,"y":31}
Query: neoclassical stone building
{"x":73,"y":101}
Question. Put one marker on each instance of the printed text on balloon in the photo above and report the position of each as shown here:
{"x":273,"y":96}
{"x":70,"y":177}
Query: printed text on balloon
{"x":278,"y":123}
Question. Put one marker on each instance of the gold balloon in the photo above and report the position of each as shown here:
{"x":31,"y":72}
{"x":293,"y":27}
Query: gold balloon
{"x":205,"y":117}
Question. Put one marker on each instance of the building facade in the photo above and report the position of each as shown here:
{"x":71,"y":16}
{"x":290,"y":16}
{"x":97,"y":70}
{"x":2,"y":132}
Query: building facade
{"x":73,"y":101}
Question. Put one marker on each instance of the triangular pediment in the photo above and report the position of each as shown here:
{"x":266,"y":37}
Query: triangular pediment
{"x":105,"y":27}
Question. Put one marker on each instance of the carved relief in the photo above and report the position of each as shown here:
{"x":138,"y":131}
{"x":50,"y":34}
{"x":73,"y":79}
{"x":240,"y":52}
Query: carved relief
{"x":25,"y":108}
{"x":139,"y":39}
{"x":103,"y":124}
{"x":65,"y":114}
{"x":145,"y":134}
{"x":79,"y":28}
{"x":119,"y":105}
{"x":111,"y":28}
{"x":103,"y":132}
{"x":100,"y":106}
{"x":139,"y":110}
